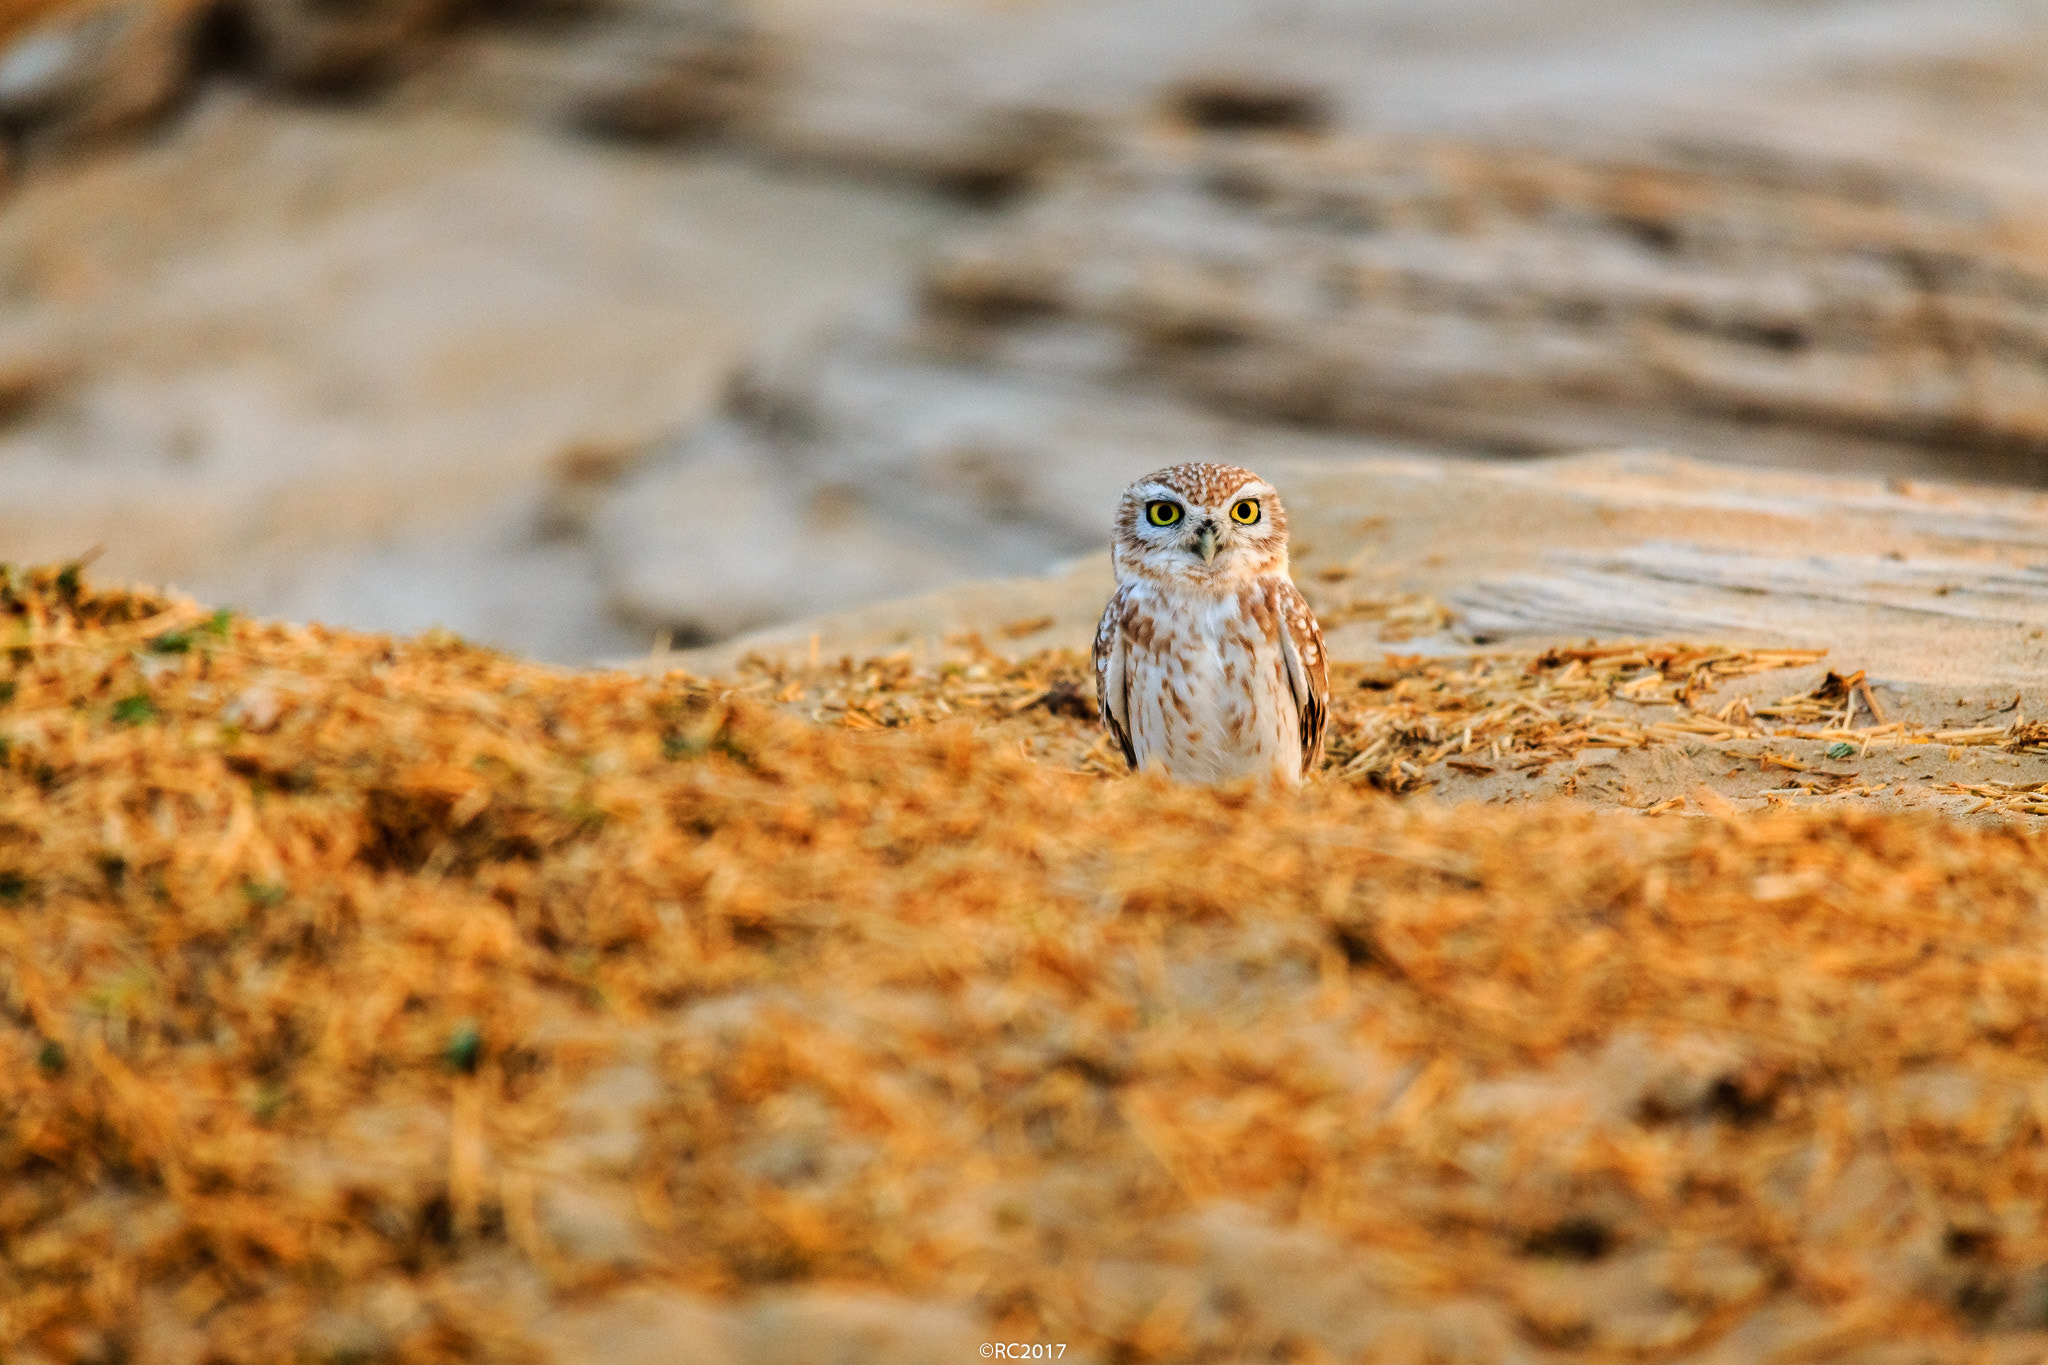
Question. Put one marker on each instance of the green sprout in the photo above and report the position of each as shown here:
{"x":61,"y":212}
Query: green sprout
{"x":465,"y":1046}
{"x":266,"y":1100}
{"x":264,"y":895}
{"x":215,"y":627}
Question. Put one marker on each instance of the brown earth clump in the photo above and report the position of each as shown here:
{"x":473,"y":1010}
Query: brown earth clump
{"x":326,"y":960}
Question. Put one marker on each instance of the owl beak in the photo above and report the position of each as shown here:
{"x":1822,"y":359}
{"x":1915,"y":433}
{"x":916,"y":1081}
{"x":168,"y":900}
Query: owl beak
{"x":1205,"y":542}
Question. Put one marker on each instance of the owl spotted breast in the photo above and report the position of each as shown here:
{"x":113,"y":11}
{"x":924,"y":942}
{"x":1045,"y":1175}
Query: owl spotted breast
{"x":1208,"y":662}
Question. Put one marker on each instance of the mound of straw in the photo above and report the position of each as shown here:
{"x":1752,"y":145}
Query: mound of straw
{"x":366,"y":1001}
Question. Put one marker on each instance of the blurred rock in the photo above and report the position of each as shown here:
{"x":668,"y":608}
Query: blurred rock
{"x":675,"y":69}
{"x":1269,"y":298}
{"x":97,"y":68}
{"x":990,"y":96}
{"x":1507,"y":299}
{"x":866,"y":466}
{"x":632,"y":71}
{"x":322,"y":45}
{"x":578,"y":479}
{"x":370,"y":365}
{"x":405,"y":360}
{"x":723,"y":535}
{"x":28,"y":381}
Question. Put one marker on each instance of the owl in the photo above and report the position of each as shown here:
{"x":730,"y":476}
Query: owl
{"x":1208,"y":663}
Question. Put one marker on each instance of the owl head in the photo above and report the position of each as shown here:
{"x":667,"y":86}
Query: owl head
{"x":1202,"y":522}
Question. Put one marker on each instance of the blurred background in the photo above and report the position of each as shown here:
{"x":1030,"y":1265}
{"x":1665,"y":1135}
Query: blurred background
{"x":573,"y":324}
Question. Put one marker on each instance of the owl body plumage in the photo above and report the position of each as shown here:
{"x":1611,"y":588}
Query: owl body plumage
{"x":1209,"y":664}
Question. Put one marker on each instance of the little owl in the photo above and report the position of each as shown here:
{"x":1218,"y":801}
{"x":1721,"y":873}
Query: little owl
{"x":1208,"y":663}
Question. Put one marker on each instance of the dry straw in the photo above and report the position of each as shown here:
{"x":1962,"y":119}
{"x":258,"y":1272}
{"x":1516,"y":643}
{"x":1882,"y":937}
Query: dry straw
{"x":316,"y":948}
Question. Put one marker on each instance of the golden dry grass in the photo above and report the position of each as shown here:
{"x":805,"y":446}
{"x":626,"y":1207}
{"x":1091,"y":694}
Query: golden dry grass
{"x":312,"y":946}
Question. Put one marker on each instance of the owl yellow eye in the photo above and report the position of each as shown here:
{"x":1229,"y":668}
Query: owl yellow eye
{"x":1246,"y":512}
{"x":1163,"y":513}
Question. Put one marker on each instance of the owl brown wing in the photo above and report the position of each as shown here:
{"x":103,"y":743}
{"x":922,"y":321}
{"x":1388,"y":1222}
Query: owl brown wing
{"x":1112,"y":687}
{"x":1308,"y":672}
